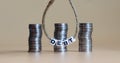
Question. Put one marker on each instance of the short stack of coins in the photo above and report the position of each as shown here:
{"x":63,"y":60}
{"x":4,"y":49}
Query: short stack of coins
{"x":60,"y":33}
{"x":84,"y":36}
{"x":35,"y":34}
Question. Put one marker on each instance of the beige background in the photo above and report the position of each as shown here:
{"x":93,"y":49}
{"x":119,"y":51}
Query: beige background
{"x":15,"y":15}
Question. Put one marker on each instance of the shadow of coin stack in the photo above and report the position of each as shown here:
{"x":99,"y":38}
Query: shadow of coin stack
{"x":60,"y":33}
{"x":84,"y":36}
{"x":35,"y":34}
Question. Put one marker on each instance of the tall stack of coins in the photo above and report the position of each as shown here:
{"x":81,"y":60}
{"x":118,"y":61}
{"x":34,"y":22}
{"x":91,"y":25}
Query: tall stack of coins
{"x":60,"y":33}
{"x":35,"y":34}
{"x":84,"y":36}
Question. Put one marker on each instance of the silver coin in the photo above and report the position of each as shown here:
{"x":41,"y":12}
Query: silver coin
{"x":84,"y":36}
{"x":35,"y":34}
{"x":60,"y":33}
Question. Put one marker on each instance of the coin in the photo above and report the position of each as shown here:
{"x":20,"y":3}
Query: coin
{"x":84,"y":36}
{"x":60,"y":33}
{"x":35,"y":34}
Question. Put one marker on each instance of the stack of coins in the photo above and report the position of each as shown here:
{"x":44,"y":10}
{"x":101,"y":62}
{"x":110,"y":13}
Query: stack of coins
{"x":84,"y":36}
{"x":35,"y":34}
{"x":60,"y":33}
